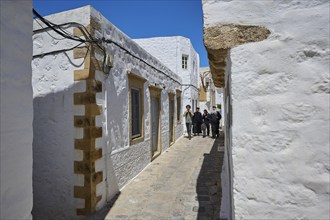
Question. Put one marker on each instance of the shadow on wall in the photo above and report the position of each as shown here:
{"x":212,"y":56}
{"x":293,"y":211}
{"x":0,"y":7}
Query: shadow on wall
{"x":53,"y":156}
{"x":208,"y":186}
{"x":102,"y":213}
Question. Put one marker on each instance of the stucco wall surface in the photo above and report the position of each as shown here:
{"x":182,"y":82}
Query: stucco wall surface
{"x":54,"y":89}
{"x":166,"y":49}
{"x":54,"y":133}
{"x":280,"y":101}
{"x":16,"y":109}
{"x":128,"y":159}
{"x":191,"y":75}
{"x":213,"y":94}
{"x":169,"y":50}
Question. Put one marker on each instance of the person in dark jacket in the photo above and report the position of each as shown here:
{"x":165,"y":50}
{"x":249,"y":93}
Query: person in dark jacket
{"x":214,"y":119}
{"x":218,"y":123}
{"x":206,"y":123}
{"x":197,"y":122}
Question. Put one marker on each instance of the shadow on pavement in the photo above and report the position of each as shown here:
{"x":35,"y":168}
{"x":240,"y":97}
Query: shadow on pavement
{"x":208,"y":186}
{"x":102,"y":213}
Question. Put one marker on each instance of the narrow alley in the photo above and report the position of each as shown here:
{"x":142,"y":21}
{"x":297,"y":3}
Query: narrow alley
{"x":182,"y":183}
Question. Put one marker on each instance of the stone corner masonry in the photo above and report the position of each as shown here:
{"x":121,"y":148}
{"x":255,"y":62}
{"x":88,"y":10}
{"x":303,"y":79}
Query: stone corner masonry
{"x":87,"y":144}
{"x":220,"y":38}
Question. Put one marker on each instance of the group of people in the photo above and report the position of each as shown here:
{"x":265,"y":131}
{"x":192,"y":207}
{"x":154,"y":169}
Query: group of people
{"x":200,"y":123}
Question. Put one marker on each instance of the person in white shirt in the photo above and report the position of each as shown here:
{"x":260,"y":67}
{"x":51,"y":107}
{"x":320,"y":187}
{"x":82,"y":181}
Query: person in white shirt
{"x":188,"y":114}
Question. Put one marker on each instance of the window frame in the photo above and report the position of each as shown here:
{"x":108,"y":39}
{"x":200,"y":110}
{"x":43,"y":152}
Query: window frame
{"x":136,"y":82}
{"x":184,"y":61}
{"x":171,"y":97}
{"x":156,"y":92}
{"x":139,"y":109}
{"x":178,"y":106}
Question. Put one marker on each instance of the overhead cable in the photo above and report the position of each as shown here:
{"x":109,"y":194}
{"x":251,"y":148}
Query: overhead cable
{"x":89,"y":39}
{"x":190,"y":85}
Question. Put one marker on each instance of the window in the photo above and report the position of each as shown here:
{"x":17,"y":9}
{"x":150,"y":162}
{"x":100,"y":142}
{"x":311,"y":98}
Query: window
{"x":136,"y":111}
{"x":185,"y":62}
{"x":178,"y":106}
{"x":136,"y":108}
{"x":193,"y":67}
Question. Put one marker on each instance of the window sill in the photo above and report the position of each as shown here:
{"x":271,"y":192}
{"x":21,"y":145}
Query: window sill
{"x":136,"y":140}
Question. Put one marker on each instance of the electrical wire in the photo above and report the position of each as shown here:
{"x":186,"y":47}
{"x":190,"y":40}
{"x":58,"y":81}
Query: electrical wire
{"x":48,"y":32}
{"x":88,"y":39}
{"x":62,"y":32}
{"x":190,"y":85}
{"x":63,"y":50}
{"x":136,"y":57}
{"x":59,"y":30}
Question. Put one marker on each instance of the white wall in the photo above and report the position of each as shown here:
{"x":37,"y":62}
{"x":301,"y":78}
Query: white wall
{"x":169,"y":50}
{"x":280,"y":108}
{"x":16,"y":109}
{"x":165,"y":49}
{"x":54,"y":88}
{"x":54,"y":134}
{"x":129,"y":160}
{"x":214,"y":95}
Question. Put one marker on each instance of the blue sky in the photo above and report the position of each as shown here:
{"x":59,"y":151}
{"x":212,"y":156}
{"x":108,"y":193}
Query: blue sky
{"x":142,"y":19}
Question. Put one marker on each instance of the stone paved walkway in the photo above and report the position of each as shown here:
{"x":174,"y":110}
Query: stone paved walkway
{"x":182,"y":183}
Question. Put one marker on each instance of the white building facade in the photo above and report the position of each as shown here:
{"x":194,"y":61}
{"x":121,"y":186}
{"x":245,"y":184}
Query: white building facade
{"x":208,"y":92}
{"x":178,"y":54}
{"x":16,"y":109}
{"x":103,"y":113}
{"x":272,"y":58}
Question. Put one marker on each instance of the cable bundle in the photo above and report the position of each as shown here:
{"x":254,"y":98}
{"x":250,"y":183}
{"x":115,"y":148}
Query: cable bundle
{"x":89,"y":39}
{"x":66,"y":35}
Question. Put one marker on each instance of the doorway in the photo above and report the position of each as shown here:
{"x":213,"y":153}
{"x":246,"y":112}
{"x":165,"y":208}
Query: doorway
{"x":171,"y":118}
{"x":155,"y":121}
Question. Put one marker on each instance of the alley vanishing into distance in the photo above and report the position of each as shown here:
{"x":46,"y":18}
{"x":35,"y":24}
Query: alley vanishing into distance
{"x":182,"y":183}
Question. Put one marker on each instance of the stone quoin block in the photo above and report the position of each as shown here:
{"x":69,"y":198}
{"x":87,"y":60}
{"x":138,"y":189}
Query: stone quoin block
{"x":87,"y":144}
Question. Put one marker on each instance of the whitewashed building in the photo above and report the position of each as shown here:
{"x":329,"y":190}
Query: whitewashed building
{"x":16,"y":109}
{"x":178,"y":54}
{"x":207,"y":94}
{"x":102,"y":114}
{"x":272,"y":58}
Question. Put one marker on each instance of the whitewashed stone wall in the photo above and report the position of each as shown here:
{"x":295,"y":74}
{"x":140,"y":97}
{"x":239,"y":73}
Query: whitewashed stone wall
{"x":179,"y":131}
{"x":213,"y":95}
{"x":227,"y":206}
{"x":169,"y":50}
{"x":116,"y":91}
{"x":280,"y":110}
{"x":54,"y":133}
{"x":16,"y":109}
{"x":54,"y":86}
